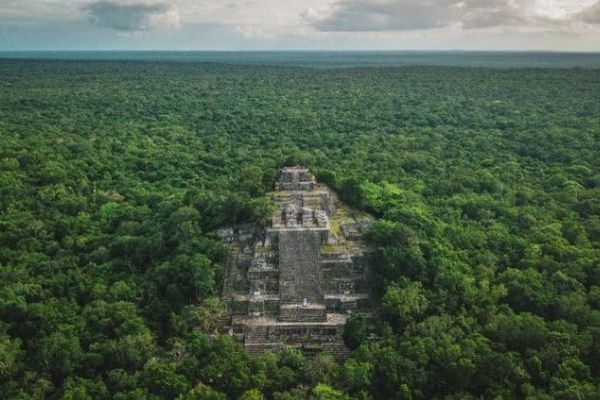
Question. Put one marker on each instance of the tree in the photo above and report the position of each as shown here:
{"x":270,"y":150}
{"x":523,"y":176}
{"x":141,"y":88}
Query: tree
{"x":528,"y":290}
{"x":322,"y":369}
{"x":520,"y":332}
{"x":163,"y":380}
{"x":403,"y":306}
{"x":252,"y":394}
{"x":356,"y":376}
{"x":205,"y":316}
{"x":355,"y":330}
{"x":10,"y":356}
{"x":59,"y":354}
{"x":84,"y":389}
{"x":325,"y":392}
{"x":202,"y":392}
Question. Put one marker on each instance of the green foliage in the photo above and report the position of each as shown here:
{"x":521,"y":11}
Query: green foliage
{"x":325,"y":392}
{"x":402,"y":306}
{"x":162,"y":380}
{"x":355,"y":330}
{"x":114,"y":176}
{"x":252,"y":394}
{"x":322,"y":368}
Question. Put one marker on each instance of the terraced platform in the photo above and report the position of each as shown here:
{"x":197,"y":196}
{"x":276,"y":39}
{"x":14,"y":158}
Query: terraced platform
{"x":295,"y":282}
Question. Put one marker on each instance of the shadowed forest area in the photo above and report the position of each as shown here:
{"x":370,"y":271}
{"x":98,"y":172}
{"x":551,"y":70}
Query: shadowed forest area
{"x":114,"y":175}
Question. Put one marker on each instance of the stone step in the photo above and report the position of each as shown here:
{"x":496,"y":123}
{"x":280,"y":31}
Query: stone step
{"x":256,"y":335}
{"x":300,"y":314}
{"x":348,"y":305}
{"x":255,"y":349}
{"x":338,"y":350}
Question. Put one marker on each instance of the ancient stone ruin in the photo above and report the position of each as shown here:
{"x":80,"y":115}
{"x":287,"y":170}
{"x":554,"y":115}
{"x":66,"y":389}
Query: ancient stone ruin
{"x":294,"y":282}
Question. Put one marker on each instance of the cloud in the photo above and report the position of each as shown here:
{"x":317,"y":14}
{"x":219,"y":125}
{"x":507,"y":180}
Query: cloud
{"x":488,"y":14}
{"x":590,"y":14}
{"x":132,"y":16}
{"x":397,"y":15}
{"x":377,"y":15}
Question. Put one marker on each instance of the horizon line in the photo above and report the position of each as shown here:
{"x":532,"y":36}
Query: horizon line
{"x":300,"y":51}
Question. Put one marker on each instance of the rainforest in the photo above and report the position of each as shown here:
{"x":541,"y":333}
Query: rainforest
{"x":484,"y":183}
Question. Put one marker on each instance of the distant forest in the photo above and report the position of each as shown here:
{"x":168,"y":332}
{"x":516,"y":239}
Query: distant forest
{"x":114,"y":176}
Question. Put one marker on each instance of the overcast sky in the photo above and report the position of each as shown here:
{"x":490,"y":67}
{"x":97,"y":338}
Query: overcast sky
{"x":299,"y":24}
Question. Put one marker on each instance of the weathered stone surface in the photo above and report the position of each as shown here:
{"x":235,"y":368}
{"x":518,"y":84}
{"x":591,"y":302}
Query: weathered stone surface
{"x":294,"y":283}
{"x":300,"y":276}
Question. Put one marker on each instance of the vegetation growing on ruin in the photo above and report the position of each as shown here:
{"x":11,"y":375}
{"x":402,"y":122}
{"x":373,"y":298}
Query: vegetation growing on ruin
{"x":485,"y":183}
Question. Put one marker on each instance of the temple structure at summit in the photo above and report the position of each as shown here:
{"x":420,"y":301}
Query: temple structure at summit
{"x":295,"y":281}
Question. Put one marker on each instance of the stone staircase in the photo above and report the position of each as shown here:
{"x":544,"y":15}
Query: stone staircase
{"x":255,"y":349}
{"x":256,"y":335}
{"x":337,"y":349}
{"x":255,"y":340}
{"x":232,"y":275}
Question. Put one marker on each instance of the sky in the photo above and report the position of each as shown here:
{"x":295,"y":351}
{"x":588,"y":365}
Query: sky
{"x":570,"y":25}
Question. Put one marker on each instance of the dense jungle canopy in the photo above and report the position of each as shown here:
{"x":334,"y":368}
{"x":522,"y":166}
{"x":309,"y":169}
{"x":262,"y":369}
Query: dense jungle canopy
{"x":114,"y":175}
